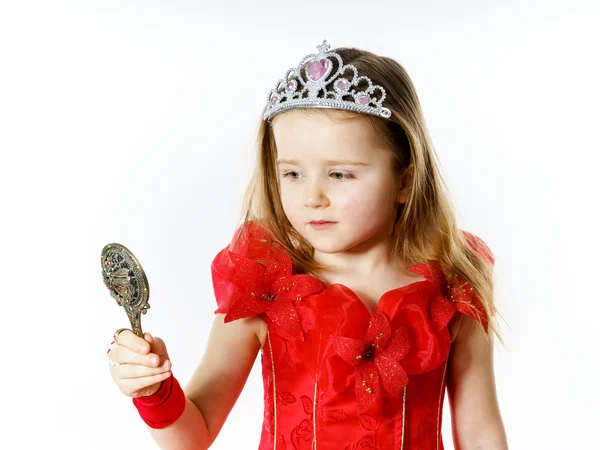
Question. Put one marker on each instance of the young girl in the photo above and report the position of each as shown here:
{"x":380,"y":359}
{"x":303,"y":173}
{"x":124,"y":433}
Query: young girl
{"x":348,"y":274}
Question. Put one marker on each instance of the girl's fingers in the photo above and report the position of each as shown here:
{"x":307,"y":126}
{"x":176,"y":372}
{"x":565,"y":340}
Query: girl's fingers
{"x":125,"y":371}
{"x":129,"y":339}
{"x":131,"y":385}
{"x":125,"y":355}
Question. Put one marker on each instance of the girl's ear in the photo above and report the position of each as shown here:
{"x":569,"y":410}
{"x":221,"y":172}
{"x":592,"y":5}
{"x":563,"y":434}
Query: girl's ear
{"x":404,"y":184}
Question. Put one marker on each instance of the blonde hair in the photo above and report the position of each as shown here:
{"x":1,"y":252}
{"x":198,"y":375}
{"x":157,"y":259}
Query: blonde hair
{"x":425,"y":227}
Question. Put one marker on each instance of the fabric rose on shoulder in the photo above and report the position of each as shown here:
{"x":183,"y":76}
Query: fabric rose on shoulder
{"x":256,"y":279}
{"x":459,"y":295}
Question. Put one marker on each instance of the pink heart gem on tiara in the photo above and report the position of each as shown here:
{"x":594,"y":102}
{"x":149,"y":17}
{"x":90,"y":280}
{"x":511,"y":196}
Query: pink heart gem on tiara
{"x":317,"y":69}
{"x":364,"y":99}
{"x":341,"y":85}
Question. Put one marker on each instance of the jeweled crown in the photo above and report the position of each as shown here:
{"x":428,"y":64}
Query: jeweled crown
{"x":313,"y":90}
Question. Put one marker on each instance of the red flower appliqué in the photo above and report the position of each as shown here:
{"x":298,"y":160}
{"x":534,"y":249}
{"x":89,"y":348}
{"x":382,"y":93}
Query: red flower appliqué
{"x":460,"y":296}
{"x":376,"y":360}
{"x":256,"y":289}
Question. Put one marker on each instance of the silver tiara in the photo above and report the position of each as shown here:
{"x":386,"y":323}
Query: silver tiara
{"x":288,"y":95}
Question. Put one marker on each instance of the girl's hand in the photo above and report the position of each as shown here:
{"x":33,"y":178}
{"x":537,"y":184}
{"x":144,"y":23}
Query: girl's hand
{"x":144,"y":363}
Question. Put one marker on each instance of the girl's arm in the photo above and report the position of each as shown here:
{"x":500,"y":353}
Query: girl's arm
{"x":215,"y":385}
{"x":476,"y":420}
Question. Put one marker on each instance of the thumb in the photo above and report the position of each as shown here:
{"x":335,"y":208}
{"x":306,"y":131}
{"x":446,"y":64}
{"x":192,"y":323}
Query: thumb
{"x":158,"y":346}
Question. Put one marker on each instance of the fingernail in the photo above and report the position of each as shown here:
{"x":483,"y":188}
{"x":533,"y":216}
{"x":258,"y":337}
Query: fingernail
{"x":165,"y":364}
{"x":153,"y":360}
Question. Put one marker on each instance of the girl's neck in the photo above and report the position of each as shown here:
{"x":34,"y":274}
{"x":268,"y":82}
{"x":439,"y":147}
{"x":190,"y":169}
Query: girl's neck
{"x":369,"y":260}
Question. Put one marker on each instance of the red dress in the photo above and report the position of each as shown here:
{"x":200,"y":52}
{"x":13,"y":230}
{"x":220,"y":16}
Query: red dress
{"x":337,"y":376}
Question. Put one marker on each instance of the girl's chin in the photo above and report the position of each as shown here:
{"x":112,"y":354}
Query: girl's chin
{"x":324,"y":245}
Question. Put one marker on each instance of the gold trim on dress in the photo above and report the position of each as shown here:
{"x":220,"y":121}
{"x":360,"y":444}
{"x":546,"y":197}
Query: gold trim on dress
{"x":314,"y":446}
{"x":403,"y":413}
{"x":274,"y":393}
{"x":439,"y":413}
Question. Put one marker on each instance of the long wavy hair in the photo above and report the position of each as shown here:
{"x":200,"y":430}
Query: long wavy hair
{"x":425,"y":227}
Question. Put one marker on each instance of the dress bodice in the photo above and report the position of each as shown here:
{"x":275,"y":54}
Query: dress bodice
{"x":336,"y":375}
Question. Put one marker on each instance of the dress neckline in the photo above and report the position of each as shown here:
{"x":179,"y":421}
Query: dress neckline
{"x":394,"y":292}
{"x":382,"y":299}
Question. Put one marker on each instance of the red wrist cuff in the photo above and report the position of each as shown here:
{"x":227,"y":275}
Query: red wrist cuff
{"x":164,"y":407}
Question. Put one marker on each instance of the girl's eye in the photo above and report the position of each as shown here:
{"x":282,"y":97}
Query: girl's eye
{"x":286,"y":174}
{"x":336,"y":175}
{"x":343,"y":175}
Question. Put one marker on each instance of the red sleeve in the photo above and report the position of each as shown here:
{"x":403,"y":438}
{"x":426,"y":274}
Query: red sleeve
{"x":225,"y":267}
{"x":256,"y":279}
{"x":479,"y":246}
{"x":461,"y":292}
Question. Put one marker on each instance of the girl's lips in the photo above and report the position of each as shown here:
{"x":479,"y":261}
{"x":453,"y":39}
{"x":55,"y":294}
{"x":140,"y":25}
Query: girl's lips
{"x":321,"y":225}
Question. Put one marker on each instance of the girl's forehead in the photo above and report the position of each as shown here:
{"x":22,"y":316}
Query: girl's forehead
{"x":316,"y":119}
{"x":299,"y":134}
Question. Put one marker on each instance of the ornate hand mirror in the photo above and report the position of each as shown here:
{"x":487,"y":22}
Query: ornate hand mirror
{"x":125,"y":279}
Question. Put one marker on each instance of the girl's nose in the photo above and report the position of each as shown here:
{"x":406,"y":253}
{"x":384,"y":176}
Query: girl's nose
{"x":314,"y":196}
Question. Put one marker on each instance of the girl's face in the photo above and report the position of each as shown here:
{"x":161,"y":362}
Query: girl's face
{"x":339,"y":172}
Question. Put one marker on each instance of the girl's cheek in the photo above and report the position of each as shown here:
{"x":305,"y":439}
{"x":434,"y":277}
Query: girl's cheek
{"x":291,"y":203}
{"x":361,"y":205}
{"x":352,"y":205}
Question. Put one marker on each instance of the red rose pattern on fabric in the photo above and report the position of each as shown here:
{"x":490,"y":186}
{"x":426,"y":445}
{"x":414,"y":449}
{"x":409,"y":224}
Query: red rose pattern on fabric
{"x":365,"y":443}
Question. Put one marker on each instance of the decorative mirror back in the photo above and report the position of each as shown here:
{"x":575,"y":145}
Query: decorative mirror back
{"x":124,"y":277}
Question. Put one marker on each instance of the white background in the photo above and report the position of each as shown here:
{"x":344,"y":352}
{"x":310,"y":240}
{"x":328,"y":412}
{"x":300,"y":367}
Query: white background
{"x":134,"y":122}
